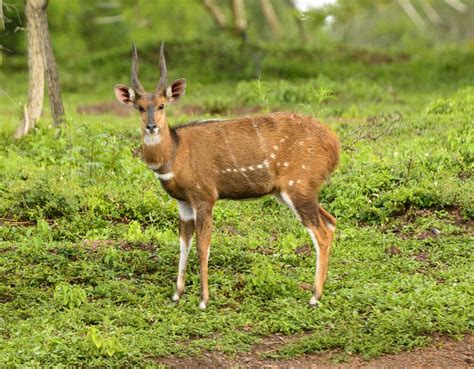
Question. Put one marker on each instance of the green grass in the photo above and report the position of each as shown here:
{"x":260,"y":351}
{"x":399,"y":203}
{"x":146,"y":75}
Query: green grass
{"x":89,"y":251}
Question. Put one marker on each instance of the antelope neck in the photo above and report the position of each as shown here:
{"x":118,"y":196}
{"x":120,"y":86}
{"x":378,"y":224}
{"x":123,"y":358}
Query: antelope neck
{"x":160,"y":157}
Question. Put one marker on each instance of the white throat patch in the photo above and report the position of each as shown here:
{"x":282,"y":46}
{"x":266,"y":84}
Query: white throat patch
{"x":151,"y":139}
{"x":164,"y":176}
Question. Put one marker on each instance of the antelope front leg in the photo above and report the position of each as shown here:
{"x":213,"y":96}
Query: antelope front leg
{"x":203,"y":235}
{"x":186,"y":230}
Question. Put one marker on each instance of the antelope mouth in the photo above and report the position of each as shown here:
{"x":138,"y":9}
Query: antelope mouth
{"x":151,"y":136}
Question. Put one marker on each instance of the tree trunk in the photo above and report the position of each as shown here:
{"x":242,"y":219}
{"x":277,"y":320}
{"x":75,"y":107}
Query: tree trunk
{"x":34,"y":106}
{"x":216,"y":13}
{"x":2,"y":20}
{"x":299,"y":21}
{"x":271,"y":18}
{"x":51,"y":68}
{"x":240,"y":20}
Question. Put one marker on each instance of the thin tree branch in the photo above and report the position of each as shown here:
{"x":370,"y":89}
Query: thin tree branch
{"x":412,"y":14}
{"x":457,"y":4}
{"x":216,"y":13}
{"x":430,"y":12}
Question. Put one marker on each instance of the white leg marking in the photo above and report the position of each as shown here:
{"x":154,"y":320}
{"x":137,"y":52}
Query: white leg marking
{"x":164,"y":176}
{"x":184,"y":248}
{"x":331,"y":226}
{"x":202,"y":305}
{"x":287,"y":201}
{"x":151,"y":139}
{"x":313,"y":300}
{"x":186,"y":212}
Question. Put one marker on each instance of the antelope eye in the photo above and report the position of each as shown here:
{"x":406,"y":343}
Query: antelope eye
{"x":161,"y":106}
{"x":141,"y":109}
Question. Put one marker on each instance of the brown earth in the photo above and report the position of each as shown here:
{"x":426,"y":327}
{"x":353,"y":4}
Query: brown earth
{"x":441,"y":353}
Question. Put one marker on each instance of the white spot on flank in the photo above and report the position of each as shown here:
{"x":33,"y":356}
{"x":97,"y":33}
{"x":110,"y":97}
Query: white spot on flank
{"x":301,"y":143}
{"x":291,"y":182}
{"x":278,"y":164}
{"x":272,"y":155}
{"x":266,"y":163}
{"x":287,"y":201}
{"x":164,"y":176}
{"x":298,"y":181}
{"x":251,"y":168}
{"x":259,"y":166}
{"x":282,"y":140}
{"x":303,"y":166}
{"x":235,"y":170}
{"x":285,"y":164}
{"x":198,"y":187}
{"x":243,"y":169}
{"x":228,"y":170}
{"x":151,"y":139}
{"x":186,"y":212}
{"x":275,"y":147}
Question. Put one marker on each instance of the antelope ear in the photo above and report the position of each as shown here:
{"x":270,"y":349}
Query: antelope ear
{"x":176,"y":90}
{"x":124,"y":94}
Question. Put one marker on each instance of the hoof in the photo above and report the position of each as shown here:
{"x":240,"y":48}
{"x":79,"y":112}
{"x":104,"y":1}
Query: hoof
{"x":203,"y":305}
{"x":314,"y":301}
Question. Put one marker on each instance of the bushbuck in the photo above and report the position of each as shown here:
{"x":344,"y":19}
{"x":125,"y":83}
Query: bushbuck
{"x":282,"y":154}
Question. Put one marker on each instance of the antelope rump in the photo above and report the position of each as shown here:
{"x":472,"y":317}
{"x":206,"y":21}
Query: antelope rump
{"x":282,"y":154}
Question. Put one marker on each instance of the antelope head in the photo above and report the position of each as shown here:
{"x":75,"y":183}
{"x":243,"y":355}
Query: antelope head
{"x":151,"y":106}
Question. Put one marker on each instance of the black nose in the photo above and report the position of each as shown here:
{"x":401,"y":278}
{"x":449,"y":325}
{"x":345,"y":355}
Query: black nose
{"x":151,"y":126}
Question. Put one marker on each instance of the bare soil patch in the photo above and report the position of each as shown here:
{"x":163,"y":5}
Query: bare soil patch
{"x":442,"y":353}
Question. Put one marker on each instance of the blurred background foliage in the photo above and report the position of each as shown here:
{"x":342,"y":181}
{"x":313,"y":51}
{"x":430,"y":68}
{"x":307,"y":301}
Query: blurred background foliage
{"x":100,"y":28}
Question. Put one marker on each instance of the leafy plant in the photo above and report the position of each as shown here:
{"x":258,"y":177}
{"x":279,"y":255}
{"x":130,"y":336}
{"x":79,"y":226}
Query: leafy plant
{"x":70,"y":296}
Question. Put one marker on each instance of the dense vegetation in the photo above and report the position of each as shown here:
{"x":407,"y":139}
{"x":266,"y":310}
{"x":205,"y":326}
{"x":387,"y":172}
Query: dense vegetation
{"x":88,"y":239}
